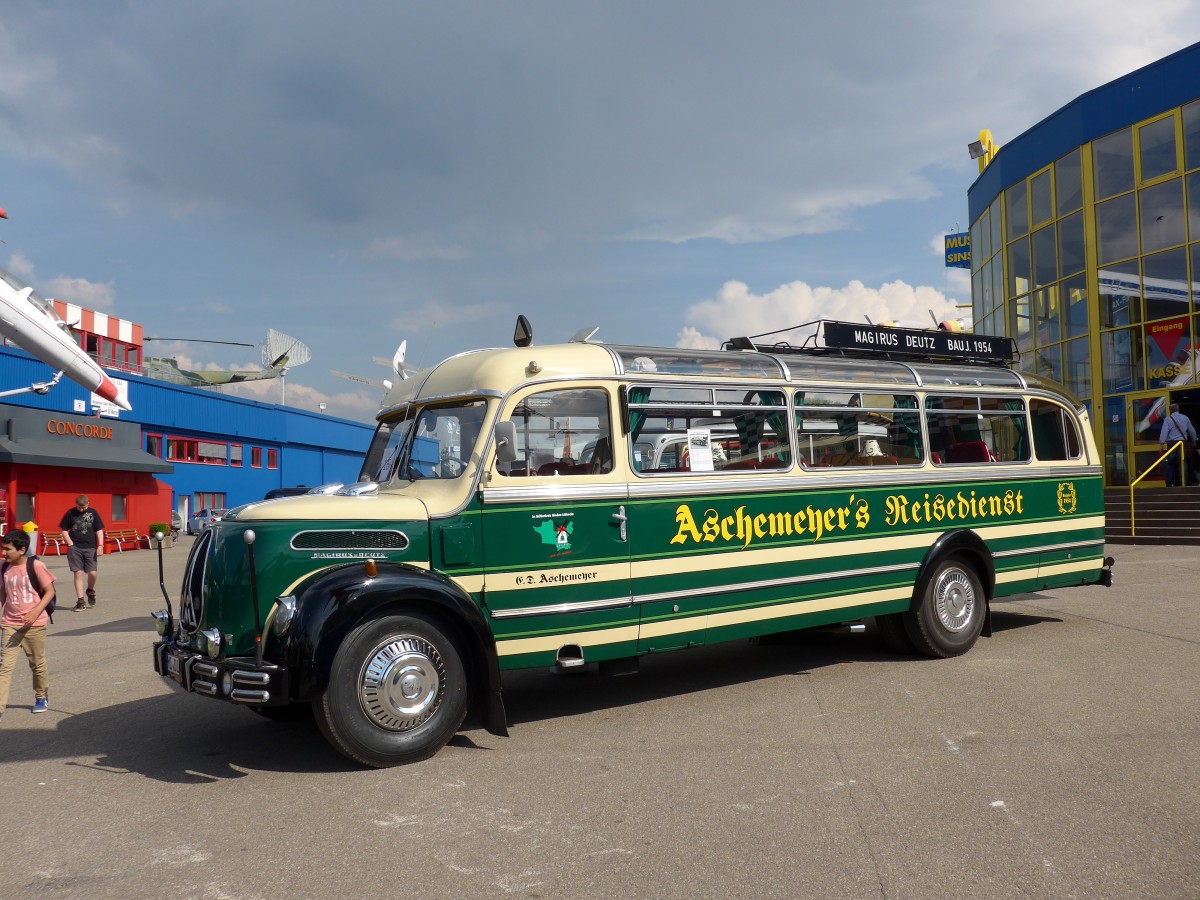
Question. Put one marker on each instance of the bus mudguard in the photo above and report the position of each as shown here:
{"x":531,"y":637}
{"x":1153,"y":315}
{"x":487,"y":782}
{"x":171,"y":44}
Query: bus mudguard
{"x":971,"y":545}
{"x":331,"y":605}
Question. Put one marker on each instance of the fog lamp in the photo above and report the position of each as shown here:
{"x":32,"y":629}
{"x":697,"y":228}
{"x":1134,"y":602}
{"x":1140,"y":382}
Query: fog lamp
{"x":161,"y":619}
{"x":212,"y":641}
{"x":285,"y":611}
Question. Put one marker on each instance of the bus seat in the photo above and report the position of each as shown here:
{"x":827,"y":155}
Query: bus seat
{"x":556,"y":468}
{"x":969,"y":451}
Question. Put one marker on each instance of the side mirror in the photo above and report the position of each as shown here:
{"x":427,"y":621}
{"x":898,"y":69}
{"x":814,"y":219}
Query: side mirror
{"x":523,"y":333}
{"x":506,"y":441}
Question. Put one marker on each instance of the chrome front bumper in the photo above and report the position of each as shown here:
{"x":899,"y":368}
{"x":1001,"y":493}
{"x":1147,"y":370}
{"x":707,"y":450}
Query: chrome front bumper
{"x":236,"y":679}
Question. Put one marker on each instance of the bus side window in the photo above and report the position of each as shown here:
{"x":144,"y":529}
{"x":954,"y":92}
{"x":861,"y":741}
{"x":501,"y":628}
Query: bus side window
{"x":1054,"y":432}
{"x":561,"y":432}
{"x":708,"y":429}
{"x":858,"y":429}
{"x":975,"y":430}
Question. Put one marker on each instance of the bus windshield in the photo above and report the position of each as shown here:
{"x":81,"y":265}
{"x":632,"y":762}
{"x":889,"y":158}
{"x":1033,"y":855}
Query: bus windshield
{"x":434,"y":442}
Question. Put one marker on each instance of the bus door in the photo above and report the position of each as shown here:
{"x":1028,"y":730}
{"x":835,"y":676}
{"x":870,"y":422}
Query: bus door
{"x":1145,"y":413}
{"x":555,"y":539}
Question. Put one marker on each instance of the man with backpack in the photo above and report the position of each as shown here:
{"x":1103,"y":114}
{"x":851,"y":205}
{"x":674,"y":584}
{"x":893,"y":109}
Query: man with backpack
{"x":27,"y":590}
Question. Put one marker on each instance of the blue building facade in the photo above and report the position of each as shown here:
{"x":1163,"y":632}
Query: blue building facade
{"x":222,"y":450}
{"x":1085,"y":249}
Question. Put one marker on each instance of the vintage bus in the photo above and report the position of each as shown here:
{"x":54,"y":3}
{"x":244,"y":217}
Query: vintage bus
{"x":518,"y":508}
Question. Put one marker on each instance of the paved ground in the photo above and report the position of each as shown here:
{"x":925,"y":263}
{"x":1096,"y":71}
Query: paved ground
{"x":1058,"y":758}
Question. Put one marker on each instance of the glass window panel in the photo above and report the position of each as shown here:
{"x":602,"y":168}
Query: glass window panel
{"x":699,"y":362}
{"x":1193,"y":207}
{"x":998,"y":283}
{"x":1068,"y":183}
{"x":1016,"y":210}
{"x":1018,"y":267}
{"x":1165,"y":284}
{"x":985,"y":237}
{"x":997,"y":243}
{"x":1075,"y":295}
{"x":1120,"y":298}
{"x":978,"y":301}
{"x":1162,"y":215}
{"x":1018,"y":323}
{"x":1041,"y":198}
{"x":1077,"y":373}
{"x":1070,"y":245}
{"x":1156,"y":146}
{"x":1047,"y":312}
{"x":1191,"y":135}
{"x":119,"y":508}
{"x":1116,"y":222}
{"x":985,"y":286}
{"x":1113,"y":159}
{"x":1045,"y":257}
{"x":1121,"y":361}
{"x":1048,"y":362}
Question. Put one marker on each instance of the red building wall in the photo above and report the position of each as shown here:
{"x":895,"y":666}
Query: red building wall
{"x":56,"y":487}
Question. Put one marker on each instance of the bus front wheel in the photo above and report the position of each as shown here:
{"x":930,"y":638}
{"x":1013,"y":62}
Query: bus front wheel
{"x":397,"y":692}
{"x":947,"y":615}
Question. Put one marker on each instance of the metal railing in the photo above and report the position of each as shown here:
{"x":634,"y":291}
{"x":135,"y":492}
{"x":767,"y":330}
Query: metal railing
{"x":1178,"y":445}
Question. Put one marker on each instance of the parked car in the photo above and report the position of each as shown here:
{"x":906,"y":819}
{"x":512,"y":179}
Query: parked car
{"x":203,"y":519}
{"x":286,"y":492}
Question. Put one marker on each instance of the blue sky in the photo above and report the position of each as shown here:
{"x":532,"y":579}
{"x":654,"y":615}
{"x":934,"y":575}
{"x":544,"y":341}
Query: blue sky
{"x":360,"y":174}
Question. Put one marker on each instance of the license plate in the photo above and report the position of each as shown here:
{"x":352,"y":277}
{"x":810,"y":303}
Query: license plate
{"x":175,"y":667}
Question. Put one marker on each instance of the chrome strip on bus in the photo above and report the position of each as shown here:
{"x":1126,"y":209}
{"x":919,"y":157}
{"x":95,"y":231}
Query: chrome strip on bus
{"x":774,"y":582}
{"x":582,"y":606}
{"x":1048,"y":548}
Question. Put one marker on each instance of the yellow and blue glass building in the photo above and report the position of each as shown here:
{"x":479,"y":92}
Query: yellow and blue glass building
{"x":1085,"y":249}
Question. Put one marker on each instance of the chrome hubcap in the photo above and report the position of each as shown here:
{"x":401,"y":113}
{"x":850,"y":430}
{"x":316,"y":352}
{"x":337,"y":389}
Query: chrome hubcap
{"x":955,"y":599}
{"x":401,"y":684}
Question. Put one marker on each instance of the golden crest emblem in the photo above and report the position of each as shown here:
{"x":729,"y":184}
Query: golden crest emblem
{"x":1066,"y":497}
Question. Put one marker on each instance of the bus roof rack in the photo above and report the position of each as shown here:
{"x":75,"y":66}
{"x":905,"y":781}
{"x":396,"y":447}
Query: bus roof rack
{"x":850,"y":339}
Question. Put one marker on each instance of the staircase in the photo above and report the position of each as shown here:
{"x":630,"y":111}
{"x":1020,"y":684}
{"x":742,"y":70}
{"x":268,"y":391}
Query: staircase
{"x":1164,"y":516}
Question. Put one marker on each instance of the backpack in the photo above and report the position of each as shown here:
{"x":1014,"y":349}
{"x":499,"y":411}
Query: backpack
{"x":31,"y":573}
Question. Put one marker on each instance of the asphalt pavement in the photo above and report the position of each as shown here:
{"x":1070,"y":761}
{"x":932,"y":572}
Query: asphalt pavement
{"x":1059,"y":758}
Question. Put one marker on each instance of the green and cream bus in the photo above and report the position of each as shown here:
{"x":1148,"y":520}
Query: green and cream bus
{"x":516,"y":509}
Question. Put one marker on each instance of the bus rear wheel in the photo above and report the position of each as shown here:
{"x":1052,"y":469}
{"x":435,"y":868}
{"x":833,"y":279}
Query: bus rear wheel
{"x":397,"y":692}
{"x":947,"y":615}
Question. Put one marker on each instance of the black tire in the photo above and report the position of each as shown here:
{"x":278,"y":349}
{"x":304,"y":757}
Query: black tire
{"x":894,"y":635}
{"x":397,"y":692}
{"x":948,"y":610}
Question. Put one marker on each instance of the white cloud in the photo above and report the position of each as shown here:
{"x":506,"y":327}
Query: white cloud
{"x":80,"y":291}
{"x":737,"y":312}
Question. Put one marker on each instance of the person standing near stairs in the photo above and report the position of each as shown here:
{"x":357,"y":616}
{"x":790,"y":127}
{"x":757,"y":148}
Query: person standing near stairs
{"x":1178,"y":427}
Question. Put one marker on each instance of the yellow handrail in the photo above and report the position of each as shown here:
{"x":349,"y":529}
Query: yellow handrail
{"x":1182,"y":477}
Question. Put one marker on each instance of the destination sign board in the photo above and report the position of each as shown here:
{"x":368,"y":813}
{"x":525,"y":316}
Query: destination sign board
{"x":941,"y":344}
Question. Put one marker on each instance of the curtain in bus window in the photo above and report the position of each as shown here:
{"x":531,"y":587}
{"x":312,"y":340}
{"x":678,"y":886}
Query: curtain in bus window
{"x":778,"y":423}
{"x":906,"y":429}
{"x":1020,"y":446}
{"x":637,"y":417}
